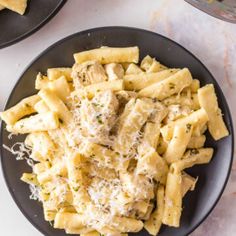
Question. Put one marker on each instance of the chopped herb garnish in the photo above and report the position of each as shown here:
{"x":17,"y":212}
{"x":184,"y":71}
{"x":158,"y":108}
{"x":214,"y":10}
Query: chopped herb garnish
{"x":76,"y":189}
{"x":99,"y":119}
{"x":154,"y":99}
{"x":95,"y":104}
{"x":194,"y":152}
{"x":84,"y":77}
{"x":61,"y":121}
{"x":171,"y":85}
{"x":188,"y":128}
{"x":92,"y":156}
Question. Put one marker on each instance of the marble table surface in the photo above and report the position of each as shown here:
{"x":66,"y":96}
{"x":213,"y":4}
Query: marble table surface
{"x":211,"y":40}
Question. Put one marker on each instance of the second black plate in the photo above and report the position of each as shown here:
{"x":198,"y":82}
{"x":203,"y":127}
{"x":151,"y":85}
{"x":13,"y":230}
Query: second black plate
{"x":15,"y":27}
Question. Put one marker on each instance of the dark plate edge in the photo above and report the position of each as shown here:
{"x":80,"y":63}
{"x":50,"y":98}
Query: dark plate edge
{"x":231,"y":129}
{"x":37,"y":27}
{"x":210,"y":13}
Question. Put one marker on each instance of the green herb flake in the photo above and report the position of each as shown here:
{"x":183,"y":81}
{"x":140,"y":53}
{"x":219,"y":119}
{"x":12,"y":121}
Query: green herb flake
{"x":154,"y":99}
{"x":95,"y":104}
{"x":99,"y":119}
{"x":76,"y":189}
{"x":171,"y":85}
{"x":188,"y":127}
{"x":92,"y":156}
{"x":194,"y":152}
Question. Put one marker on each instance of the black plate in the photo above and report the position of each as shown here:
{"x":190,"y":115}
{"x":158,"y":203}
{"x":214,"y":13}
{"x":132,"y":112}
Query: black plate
{"x":212,"y":177}
{"x":15,"y":27}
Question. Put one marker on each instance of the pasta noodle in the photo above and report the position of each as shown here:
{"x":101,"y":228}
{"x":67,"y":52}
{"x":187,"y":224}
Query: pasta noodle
{"x":208,"y":101}
{"x":23,"y":108}
{"x":107,"y":55}
{"x":153,"y":224}
{"x":172,"y":85}
{"x":142,"y":80}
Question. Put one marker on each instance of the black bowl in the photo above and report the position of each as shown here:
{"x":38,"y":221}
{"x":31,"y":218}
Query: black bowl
{"x":212,"y":177}
{"x":17,"y":27}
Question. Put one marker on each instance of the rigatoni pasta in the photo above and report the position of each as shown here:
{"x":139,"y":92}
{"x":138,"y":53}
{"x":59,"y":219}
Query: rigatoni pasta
{"x":18,"y":6}
{"x":172,"y":85}
{"x":23,"y":108}
{"x":111,"y":140}
{"x":107,"y":55}
{"x":208,"y":100}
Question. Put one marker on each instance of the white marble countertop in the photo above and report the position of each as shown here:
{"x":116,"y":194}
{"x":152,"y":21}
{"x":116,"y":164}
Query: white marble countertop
{"x":211,"y":40}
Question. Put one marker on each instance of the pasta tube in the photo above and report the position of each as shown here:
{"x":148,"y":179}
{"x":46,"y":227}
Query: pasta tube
{"x":68,"y":220}
{"x":133,"y":69}
{"x":196,"y":141}
{"x":196,"y":118}
{"x":153,"y":224}
{"x":142,"y":80}
{"x":178,"y":143}
{"x":41,"y":107}
{"x":188,"y":183}
{"x":56,"y":105}
{"x":167,"y":87}
{"x":21,"y":109}
{"x":56,"y":73}
{"x":107,"y":55}
{"x":173,"y":200}
{"x":36,"y":123}
{"x":92,"y":89}
{"x":208,"y":101}
{"x":191,"y":158}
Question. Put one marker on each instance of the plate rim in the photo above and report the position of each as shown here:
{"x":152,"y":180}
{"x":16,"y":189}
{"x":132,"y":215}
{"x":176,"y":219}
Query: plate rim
{"x":91,"y":30}
{"x":58,"y":7}
{"x":210,"y":13}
